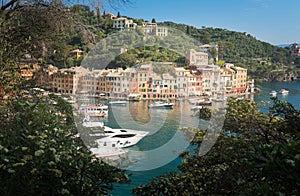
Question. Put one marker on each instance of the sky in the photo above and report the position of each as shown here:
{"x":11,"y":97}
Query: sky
{"x":273,"y":21}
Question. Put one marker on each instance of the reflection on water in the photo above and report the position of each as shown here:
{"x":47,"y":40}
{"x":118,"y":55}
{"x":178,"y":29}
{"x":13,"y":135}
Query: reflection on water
{"x":137,"y":111}
{"x":164,"y":141}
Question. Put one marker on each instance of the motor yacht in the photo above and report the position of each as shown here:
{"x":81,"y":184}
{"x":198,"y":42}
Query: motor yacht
{"x":120,"y":138}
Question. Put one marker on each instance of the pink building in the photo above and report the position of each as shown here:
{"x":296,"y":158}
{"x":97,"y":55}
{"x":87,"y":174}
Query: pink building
{"x":182,"y":81}
{"x":129,"y":81}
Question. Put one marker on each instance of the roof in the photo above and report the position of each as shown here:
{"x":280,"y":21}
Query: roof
{"x":76,"y":50}
{"x":181,"y":69}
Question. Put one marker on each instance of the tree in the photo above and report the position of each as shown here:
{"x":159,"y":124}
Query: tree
{"x":41,"y":155}
{"x":188,"y":30}
{"x":28,"y":27}
{"x":119,"y":15}
{"x":205,"y":37}
{"x":258,"y":154}
{"x":153,"y":20}
{"x":213,"y":53}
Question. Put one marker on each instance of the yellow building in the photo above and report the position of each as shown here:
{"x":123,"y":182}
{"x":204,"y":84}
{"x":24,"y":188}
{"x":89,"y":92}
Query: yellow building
{"x":28,"y":68}
{"x":67,"y":81}
{"x":239,"y":78}
{"x":45,"y":76}
{"x":77,"y":54}
{"x":143,"y":76}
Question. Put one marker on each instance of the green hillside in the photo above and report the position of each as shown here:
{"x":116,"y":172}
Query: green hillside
{"x":244,"y":50}
{"x":240,"y":48}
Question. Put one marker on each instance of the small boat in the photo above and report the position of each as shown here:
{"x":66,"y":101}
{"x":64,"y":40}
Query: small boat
{"x":240,"y":98}
{"x":89,"y":124}
{"x":117,"y":103}
{"x":133,"y":97}
{"x":219,"y":99}
{"x":161,"y":104}
{"x":204,"y":102}
{"x":92,"y":124}
{"x":195,"y":100}
{"x":273,"y":93}
{"x":196,"y":108}
{"x":284,"y":91}
{"x":94,"y":110}
{"x":108,"y":152}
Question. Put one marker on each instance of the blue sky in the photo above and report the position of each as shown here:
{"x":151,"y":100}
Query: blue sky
{"x":272,"y":21}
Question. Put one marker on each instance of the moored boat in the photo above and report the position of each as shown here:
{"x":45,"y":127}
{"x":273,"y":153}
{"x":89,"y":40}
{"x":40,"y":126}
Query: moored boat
{"x":117,"y":103}
{"x":88,"y":123}
{"x":133,"y":97}
{"x":161,"y":104}
{"x":108,"y":152}
{"x":120,"y":138}
{"x":196,"y":108}
{"x":94,"y":110}
{"x":273,"y":93}
{"x":284,"y":91}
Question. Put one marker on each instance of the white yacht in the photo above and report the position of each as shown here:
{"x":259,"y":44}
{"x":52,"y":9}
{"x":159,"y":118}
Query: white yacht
{"x":120,"y":138}
{"x":284,"y":91}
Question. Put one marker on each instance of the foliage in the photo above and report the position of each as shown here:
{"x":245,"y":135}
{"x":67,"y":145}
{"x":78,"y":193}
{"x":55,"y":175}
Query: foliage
{"x":41,"y":155}
{"x":258,"y":154}
{"x":145,"y":54}
{"x":39,"y":151}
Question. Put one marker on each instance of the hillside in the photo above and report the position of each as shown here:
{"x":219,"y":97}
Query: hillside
{"x":244,"y":50}
{"x":240,"y":48}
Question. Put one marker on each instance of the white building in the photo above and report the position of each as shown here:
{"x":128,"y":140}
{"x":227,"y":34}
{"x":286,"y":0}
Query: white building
{"x":123,"y":24}
{"x":154,"y":29}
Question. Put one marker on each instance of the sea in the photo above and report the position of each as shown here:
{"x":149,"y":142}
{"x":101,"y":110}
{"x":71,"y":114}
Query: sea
{"x":157,"y":153}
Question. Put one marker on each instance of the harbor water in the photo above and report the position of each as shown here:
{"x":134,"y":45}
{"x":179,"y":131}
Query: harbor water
{"x":164,"y":128}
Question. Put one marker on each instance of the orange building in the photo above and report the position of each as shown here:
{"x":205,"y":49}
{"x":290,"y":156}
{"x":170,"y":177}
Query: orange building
{"x":67,"y":81}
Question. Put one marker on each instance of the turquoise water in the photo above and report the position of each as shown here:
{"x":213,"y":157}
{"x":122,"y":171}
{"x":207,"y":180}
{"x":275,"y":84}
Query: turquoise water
{"x":293,"y":97}
{"x":170,"y":122}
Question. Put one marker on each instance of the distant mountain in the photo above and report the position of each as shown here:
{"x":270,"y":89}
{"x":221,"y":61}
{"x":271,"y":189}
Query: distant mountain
{"x":285,"y":45}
